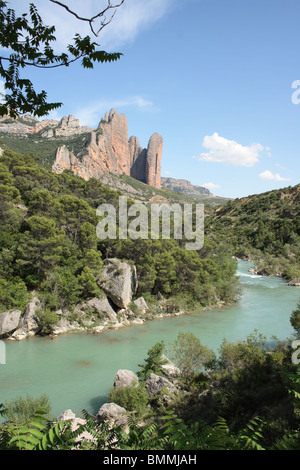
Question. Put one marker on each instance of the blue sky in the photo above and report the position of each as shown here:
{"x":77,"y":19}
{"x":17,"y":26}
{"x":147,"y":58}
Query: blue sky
{"x":213,"y":77}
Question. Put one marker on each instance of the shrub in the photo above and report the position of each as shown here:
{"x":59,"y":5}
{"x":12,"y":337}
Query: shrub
{"x":132,"y":397}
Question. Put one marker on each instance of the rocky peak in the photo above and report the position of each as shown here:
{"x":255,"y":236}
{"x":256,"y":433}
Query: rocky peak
{"x":153,"y":162}
{"x":105,"y":149}
{"x":108,"y":150}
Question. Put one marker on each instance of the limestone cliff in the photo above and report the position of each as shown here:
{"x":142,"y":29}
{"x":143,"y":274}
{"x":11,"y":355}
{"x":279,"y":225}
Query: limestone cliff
{"x":92,"y":153}
{"x":108,"y":150}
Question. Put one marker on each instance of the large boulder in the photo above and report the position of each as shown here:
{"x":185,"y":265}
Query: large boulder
{"x":9,"y":322}
{"x":29,"y":325}
{"x":141,"y":304}
{"x":119,"y":281}
{"x":114,"y":413}
{"x":30,"y":321}
{"x":155,"y":383}
{"x":101,"y":307}
{"x":125,"y":378}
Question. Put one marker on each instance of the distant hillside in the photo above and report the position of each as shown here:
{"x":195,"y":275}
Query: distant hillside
{"x":198,"y":193}
{"x":264,"y":228}
{"x":185,"y":187}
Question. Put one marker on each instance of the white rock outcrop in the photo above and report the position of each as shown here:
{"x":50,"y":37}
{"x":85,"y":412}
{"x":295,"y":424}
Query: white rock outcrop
{"x":119,"y":281}
{"x":9,"y":322}
{"x":114,"y":413}
{"x":125,"y":378}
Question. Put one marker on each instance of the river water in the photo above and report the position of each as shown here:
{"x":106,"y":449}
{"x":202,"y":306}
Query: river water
{"x":76,"y":371}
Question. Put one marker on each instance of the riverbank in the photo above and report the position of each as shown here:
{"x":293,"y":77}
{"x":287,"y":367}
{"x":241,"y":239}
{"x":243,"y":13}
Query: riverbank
{"x":69,"y":322}
{"x":76,"y":371}
{"x":100,"y":314}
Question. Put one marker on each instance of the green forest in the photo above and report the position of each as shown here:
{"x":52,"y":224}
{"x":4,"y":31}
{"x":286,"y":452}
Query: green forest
{"x":49,"y":246}
{"x":244,"y":398}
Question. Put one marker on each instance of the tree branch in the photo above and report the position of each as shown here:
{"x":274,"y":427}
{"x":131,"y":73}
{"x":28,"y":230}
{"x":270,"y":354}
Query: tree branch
{"x":102,"y":13}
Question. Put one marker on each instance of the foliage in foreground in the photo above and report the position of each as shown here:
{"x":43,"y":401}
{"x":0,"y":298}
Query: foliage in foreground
{"x":254,"y":391}
{"x":174,"y":434}
{"x":26,"y":42}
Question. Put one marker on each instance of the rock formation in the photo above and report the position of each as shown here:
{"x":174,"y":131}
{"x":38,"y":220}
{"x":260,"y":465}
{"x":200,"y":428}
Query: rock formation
{"x":153,"y":161}
{"x":108,"y":150}
{"x":125,"y":378}
{"x":114,"y":413}
{"x":99,"y":151}
{"x":119,"y":282}
{"x":9,"y":322}
{"x":155,"y":383}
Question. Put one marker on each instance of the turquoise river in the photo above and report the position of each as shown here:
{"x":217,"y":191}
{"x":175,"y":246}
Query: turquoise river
{"x":76,"y":371}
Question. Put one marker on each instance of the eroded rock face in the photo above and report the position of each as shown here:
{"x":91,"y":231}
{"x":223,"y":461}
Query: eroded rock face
{"x":66,"y":160}
{"x":108,"y":150}
{"x":119,"y":282}
{"x":9,"y":322}
{"x":137,"y":160}
{"x":153,"y":161}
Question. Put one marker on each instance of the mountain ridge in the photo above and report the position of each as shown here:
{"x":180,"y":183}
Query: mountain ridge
{"x":104,"y":153}
{"x":106,"y":149}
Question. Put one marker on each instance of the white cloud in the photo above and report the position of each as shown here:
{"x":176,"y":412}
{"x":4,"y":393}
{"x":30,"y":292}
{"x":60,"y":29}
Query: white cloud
{"x":268,"y":175}
{"x":280,"y":166}
{"x":91,"y":115}
{"x":211,"y":185}
{"x":133,"y":17}
{"x":229,"y":152}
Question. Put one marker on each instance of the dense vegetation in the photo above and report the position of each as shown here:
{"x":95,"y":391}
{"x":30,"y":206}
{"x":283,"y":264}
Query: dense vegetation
{"x":44,"y":148}
{"x":245,"y":398}
{"x":48,"y":244}
{"x":264,"y":228}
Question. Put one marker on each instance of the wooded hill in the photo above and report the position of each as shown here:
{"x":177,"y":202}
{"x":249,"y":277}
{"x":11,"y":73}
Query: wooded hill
{"x":48,"y":244}
{"x":264,"y":228}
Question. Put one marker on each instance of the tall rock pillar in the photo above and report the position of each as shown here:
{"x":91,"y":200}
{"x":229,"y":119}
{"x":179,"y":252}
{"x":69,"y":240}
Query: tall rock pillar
{"x":153,"y":161}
